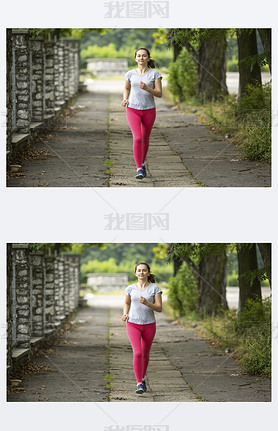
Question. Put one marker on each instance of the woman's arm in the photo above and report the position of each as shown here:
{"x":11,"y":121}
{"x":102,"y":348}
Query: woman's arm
{"x":157,"y":91}
{"x":126,"y":93}
{"x":126,"y":308}
{"x":157,"y":306}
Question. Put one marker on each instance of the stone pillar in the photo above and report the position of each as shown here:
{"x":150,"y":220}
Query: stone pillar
{"x":21,"y":296}
{"x":57,"y":309}
{"x":37,"y":294}
{"x":66,"y":71}
{"x":61,"y":270}
{"x":67,"y":289}
{"x":74,"y":260}
{"x":59,"y":75}
{"x":74,"y":65}
{"x":49,"y":292}
{"x":21,"y":81}
{"x":9,"y":306}
{"x":49,"y":78}
{"x":37,"y":79}
{"x":9,"y":92}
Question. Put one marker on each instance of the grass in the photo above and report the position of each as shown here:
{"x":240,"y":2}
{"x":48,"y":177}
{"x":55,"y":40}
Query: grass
{"x":248,"y":129}
{"x":247,"y":339}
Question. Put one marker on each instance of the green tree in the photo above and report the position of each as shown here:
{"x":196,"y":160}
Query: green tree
{"x":208,"y":263}
{"x":208,"y":50}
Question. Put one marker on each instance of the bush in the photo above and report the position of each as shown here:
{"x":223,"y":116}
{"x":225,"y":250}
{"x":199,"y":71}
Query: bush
{"x":183,"y":77}
{"x":254,"y":112}
{"x":162,"y":58}
{"x":254,"y":329}
{"x":162,"y":272}
{"x":183,"y":294}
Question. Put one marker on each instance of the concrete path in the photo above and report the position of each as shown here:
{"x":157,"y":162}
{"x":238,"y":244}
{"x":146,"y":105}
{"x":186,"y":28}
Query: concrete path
{"x":77,"y":367}
{"x":183,"y":151}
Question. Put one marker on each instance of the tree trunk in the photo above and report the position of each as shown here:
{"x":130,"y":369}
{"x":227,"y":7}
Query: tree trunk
{"x":249,"y":287}
{"x":212,"y":284}
{"x":247,"y":48}
{"x":177,"y":49}
{"x":212,"y":69}
{"x":265,"y":250}
{"x":177,"y":264}
{"x":265,"y":35}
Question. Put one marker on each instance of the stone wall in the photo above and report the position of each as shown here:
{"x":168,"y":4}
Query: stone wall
{"x":42,"y":76}
{"x":102,"y":282}
{"x":42,"y":292}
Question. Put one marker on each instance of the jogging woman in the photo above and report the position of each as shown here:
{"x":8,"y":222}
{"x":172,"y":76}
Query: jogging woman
{"x":142,"y":299}
{"x":141,"y":86}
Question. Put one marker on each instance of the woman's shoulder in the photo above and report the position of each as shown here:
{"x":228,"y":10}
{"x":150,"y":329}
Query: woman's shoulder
{"x":155,"y":287}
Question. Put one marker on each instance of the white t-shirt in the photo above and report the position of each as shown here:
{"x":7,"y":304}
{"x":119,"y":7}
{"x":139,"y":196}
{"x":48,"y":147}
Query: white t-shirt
{"x":139,"y":98}
{"x":138,"y":312}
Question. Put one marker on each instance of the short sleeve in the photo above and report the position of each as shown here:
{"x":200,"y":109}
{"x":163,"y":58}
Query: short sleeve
{"x":127,"y":76}
{"x":157,"y":75}
{"x":128,"y":290}
{"x":157,"y":290}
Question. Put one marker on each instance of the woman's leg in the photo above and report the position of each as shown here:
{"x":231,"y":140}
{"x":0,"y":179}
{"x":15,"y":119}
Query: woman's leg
{"x":134,"y":120}
{"x":148,"y":334}
{"x":134,"y":335}
{"x":148,"y":120}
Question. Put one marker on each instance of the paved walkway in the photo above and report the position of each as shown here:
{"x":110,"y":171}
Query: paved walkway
{"x":78,"y":366}
{"x":183,"y":152}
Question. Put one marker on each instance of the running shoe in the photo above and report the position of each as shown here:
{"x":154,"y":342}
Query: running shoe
{"x":144,"y":170}
{"x":140,"y":174}
{"x":140,"y":389}
{"x":144,"y":385}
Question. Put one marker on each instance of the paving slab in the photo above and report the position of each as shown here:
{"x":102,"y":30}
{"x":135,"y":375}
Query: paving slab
{"x":74,"y":369}
{"x":183,"y":151}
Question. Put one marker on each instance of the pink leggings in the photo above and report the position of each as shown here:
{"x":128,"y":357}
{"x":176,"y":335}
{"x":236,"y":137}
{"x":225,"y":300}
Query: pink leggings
{"x":140,"y":123}
{"x":141,"y":338}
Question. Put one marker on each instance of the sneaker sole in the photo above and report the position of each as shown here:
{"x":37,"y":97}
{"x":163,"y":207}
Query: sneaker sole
{"x":139,"y":177}
{"x":140,"y":391}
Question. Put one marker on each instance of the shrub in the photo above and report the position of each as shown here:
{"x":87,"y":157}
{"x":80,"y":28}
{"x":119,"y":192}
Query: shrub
{"x":183,"y":77}
{"x":254,"y":329}
{"x":183,"y":295}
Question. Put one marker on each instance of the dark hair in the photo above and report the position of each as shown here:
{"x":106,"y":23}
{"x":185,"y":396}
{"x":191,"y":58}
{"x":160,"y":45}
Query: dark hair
{"x":151,"y":277}
{"x":151,"y":62}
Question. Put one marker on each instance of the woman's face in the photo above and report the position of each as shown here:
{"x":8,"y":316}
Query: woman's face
{"x":142,"y":57}
{"x":142,"y":272}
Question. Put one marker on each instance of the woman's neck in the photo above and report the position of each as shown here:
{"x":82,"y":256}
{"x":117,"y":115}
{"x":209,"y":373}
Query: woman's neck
{"x":142,"y":69}
{"x":142,"y":284}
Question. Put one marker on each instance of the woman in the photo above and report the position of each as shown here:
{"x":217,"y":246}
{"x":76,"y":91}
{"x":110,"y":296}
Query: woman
{"x":141,"y":86}
{"x":142,"y":299}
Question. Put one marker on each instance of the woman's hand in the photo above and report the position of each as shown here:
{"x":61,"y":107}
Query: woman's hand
{"x":124,"y":103}
{"x":143,"y":85}
{"x":143,"y":300}
{"x":124,"y":317}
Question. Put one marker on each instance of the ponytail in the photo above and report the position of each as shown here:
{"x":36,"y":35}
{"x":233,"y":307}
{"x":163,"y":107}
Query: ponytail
{"x":151,"y":278}
{"x":151,"y":63}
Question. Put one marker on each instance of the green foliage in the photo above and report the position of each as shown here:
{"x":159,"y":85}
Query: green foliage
{"x":183,"y":76}
{"x":162,"y":272}
{"x":254,"y":114}
{"x":254,"y":327}
{"x":182,"y":295}
{"x":162,"y":58}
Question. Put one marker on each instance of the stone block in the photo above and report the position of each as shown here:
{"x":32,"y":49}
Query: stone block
{"x":22,"y":58}
{"x":22,"y":272}
{"x":23,"y":329}
{"x":22,"y":300}
{"x":21,"y":85}
{"x":23,"y":114}
{"x":22,"y":338}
